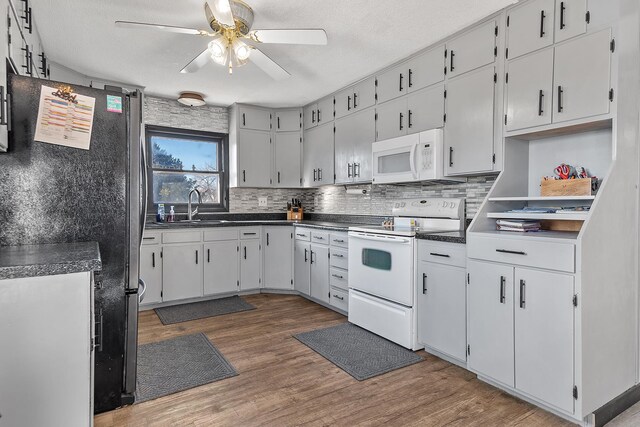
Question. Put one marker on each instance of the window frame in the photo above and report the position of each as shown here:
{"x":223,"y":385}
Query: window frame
{"x":223,"y":164}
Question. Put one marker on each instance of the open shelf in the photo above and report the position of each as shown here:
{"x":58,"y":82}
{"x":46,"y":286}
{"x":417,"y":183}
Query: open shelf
{"x":544,"y":235}
{"x":573,"y":216}
{"x":542,"y":199}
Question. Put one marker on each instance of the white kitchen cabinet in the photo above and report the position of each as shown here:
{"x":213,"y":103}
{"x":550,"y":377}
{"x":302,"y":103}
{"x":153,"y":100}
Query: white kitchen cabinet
{"x":221,"y":267}
{"x":250,"y":265}
{"x":469,"y":124}
{"x":254,"y":118}
{"x":426,"y":69}
{"x":544,"y":330}
{"x":287,"y":153}
{"x":318,"y":113}
{"x":472,"y":50}
{"x":151,"y":273}
{"x":425,"y":109}
{"x":288,"y":120}
{"x":18,"y":53}
{"x":354,"y":98}
{"x":392,"y":83}
{"x":530,"y":27}
{"x":442,"y":309}
{"x":319,"y":261}
{"x":302,"y":267}
{"x":530,"y":90}
{"x":4,"y":53}
{"x":278,"y":253}
{"x":391,"y":119}
{"x":581,"y":76}
{"x":318,"y":156}
{"x":182,"y":272}
{"x":354,"y":135}
{"x":254,"y":158}
{"x":490,"y":321}
{"x":571,"y":19}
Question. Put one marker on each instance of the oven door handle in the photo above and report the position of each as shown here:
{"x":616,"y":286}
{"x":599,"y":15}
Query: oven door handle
{"x":390,"y":239}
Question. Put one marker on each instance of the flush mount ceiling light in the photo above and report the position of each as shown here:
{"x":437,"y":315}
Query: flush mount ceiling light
{"x":234,"y":43}
{"x":191,"y":99}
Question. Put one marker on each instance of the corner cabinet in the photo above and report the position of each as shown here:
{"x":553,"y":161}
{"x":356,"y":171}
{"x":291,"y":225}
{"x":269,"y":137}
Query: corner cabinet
{"x":277,"y":258}
{"x":318,"y":156}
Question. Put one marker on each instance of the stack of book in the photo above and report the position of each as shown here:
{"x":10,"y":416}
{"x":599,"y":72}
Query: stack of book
{"x":521,"y":226}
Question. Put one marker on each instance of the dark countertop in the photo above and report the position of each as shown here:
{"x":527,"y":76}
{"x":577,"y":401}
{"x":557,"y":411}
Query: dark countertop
{"x":450,"y":237}
{"x":323,"y":225}
{"x":49,"y":259}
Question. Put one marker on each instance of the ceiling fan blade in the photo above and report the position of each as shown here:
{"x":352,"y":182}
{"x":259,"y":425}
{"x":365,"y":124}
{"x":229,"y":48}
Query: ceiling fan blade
{"x":221,"y":11}
{"x":302,"y":36}
{"x":167,"y":28}
{"x":268,"y":65}
{"x":198,"y":62}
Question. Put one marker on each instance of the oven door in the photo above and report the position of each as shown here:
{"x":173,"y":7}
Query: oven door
{"x":394,"y":160}
{"x":382,"y":266}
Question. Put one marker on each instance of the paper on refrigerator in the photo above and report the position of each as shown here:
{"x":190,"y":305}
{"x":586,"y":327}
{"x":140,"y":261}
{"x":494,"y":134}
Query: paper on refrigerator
{"x":65,"y":118}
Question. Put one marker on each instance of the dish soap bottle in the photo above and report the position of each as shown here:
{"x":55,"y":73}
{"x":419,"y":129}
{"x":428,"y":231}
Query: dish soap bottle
{"x":172,"y":215}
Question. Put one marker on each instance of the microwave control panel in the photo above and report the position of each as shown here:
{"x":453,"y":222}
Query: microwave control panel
{"x":427,"y":157}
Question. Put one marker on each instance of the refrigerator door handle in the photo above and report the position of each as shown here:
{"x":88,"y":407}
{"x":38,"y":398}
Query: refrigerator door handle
{"x":142,"y":288}
{"x":145,"y":182}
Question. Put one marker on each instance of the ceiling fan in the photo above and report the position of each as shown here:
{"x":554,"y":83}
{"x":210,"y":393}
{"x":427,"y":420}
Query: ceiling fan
{"x":233,"y":42}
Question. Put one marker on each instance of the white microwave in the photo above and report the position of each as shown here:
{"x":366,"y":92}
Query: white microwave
{"x":411,"y":158}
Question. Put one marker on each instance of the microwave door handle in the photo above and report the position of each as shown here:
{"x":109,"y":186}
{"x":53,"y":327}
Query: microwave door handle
{"x":412,"y":161}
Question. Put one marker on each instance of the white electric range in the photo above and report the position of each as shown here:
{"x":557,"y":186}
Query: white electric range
{"x":382,"y":261}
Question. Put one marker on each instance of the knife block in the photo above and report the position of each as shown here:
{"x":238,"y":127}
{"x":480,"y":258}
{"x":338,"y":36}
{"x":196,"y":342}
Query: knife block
{"x":295,"y":216}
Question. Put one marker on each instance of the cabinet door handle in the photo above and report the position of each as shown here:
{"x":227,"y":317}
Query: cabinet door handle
{"x":196,"y":256}
{"x":305,"y":255}
{"x":502,"y":289}
{"x":267,"y":239}
{"x":348,"y":170}
{"x":401,"y":77}
{"x":440,"y":255}
{"x":319,"y":174}
{"x":208,"y":255}
{"x":313,"y":116}
{"x":315,"y":174}
{"x":542,"y":16}
{"x":560,"y":93}
{"x":562,"y":9}
{"x":244,"y":119}
{"x":424,"y":283}
{"x":451,"y":67}
{"x":505,"y":251}
{"x":540,"y":98}
{"x":410,"y":79}
{"x":319,"y":116}
{"x":244,"y":175}
{"x":409,"y":124}
{"x":278,"y":122}
{"x":3,"y":111}
{"x":401,"y":119}
{"x":450,"y":157}
{"x":355,"y":100}
{"x":245,"y":252}
{"x":356,"y":170}
{"x":278,"y":177}
{"x":522,"y":290}
{"x":153,"y":259}
{"x":338,"y":297}
{"x":311,"y":257}
{"x":348,"y":102}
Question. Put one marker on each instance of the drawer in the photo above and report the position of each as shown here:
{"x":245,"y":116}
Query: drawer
{"x":247,"y":233}
{"x":443,"y":253}
{"x":339,"y":258}
{"x":151,"y":238}
{"x":546,"y":255}
{"x":339,"y":278}
{"x":339,"y":239}
{"x":181,"y":237}
{"x":303,"y":234}
{"x":320,"y":237}
{"x":221,"y":234}
{"x":339,"y":299}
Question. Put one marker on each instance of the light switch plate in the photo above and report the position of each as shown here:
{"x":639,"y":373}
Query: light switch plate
{"x":262,"y":202}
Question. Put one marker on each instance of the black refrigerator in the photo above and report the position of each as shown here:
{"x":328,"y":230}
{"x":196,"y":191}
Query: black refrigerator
{"x":53,"y":193}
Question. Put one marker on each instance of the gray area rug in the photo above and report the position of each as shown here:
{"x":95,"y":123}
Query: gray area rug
{"x":357,"y":351}
{"x":178,"y":364}
{"x":200,"y":310}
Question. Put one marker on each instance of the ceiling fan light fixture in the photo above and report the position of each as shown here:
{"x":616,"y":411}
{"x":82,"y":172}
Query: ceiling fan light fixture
{"x":218,"y":50}
{"x":191,"y":99}
{"x":241,"y":50}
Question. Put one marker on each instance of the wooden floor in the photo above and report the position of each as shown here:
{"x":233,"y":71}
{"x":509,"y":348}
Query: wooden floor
{"x":282,"y":382}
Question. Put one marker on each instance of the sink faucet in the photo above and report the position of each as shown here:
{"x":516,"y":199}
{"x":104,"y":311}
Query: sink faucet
{"x":190,"y":213}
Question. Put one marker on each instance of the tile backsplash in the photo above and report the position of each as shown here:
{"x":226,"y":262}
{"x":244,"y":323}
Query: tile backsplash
{"x":330,"y":199}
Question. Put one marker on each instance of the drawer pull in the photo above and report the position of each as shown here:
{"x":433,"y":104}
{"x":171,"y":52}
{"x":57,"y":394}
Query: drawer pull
{"x":505,"y":251}
{"x":339,"y":297}
{"x":249,"y":234}
{"x":522,"y":289}
{"x":301,"y":235}
{"x":337,"y":276}
{"x":338,"y":255}
{"x":502,"y":289}
{"x":440,"y":255}
{"x":338,"y":240}
{"x":318,"y":237}
{"x":148,"y":238}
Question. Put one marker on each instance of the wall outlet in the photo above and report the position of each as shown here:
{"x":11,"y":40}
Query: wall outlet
{"x":262,"y":202}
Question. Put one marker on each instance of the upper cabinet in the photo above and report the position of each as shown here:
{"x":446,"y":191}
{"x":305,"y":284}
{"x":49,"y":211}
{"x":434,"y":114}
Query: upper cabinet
{"x":288,"y":120}
{"x":287,"y":153}
{"x":530,"y":27}
{"x":571,"y":19}
{"x":472,"y":49}
{"x":355,"y":98}
{"x":254,"y":118}
{"x":254,"y":154}
{"x":318,"y":113}
{"x":354,"y":135}
{"x":392,"y":83}
{"x":318,"y":156}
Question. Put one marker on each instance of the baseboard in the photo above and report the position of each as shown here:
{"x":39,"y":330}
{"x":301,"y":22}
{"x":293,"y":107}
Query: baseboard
{"x":615,"y":407}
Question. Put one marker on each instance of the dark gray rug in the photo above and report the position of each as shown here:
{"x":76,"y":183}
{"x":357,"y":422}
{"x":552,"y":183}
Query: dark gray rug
{"x":200,"y":310}
{"x":357,"y":351}
{"x":178,"y":364}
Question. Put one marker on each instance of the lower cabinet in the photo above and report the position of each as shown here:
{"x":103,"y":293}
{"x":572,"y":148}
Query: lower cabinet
{"x":521,"y":330}
{"x":319,"y":260}
{"x":302,"y":267}
{"x":221,"y":267}
{"x":181,"y":272}
{"x":250,"y":277}
{"x":151,"y":273}
{"x":277,"y":261}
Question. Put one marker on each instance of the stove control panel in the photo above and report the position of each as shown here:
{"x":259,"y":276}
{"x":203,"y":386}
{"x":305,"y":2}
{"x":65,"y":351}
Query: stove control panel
{"x":430,"y":208}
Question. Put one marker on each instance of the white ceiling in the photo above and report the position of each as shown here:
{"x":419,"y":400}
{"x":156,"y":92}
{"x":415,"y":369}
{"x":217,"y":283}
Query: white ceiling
{"x":364,"y":36}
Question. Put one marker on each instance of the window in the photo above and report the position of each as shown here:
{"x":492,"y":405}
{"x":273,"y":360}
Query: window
{"x":183,"y":160}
